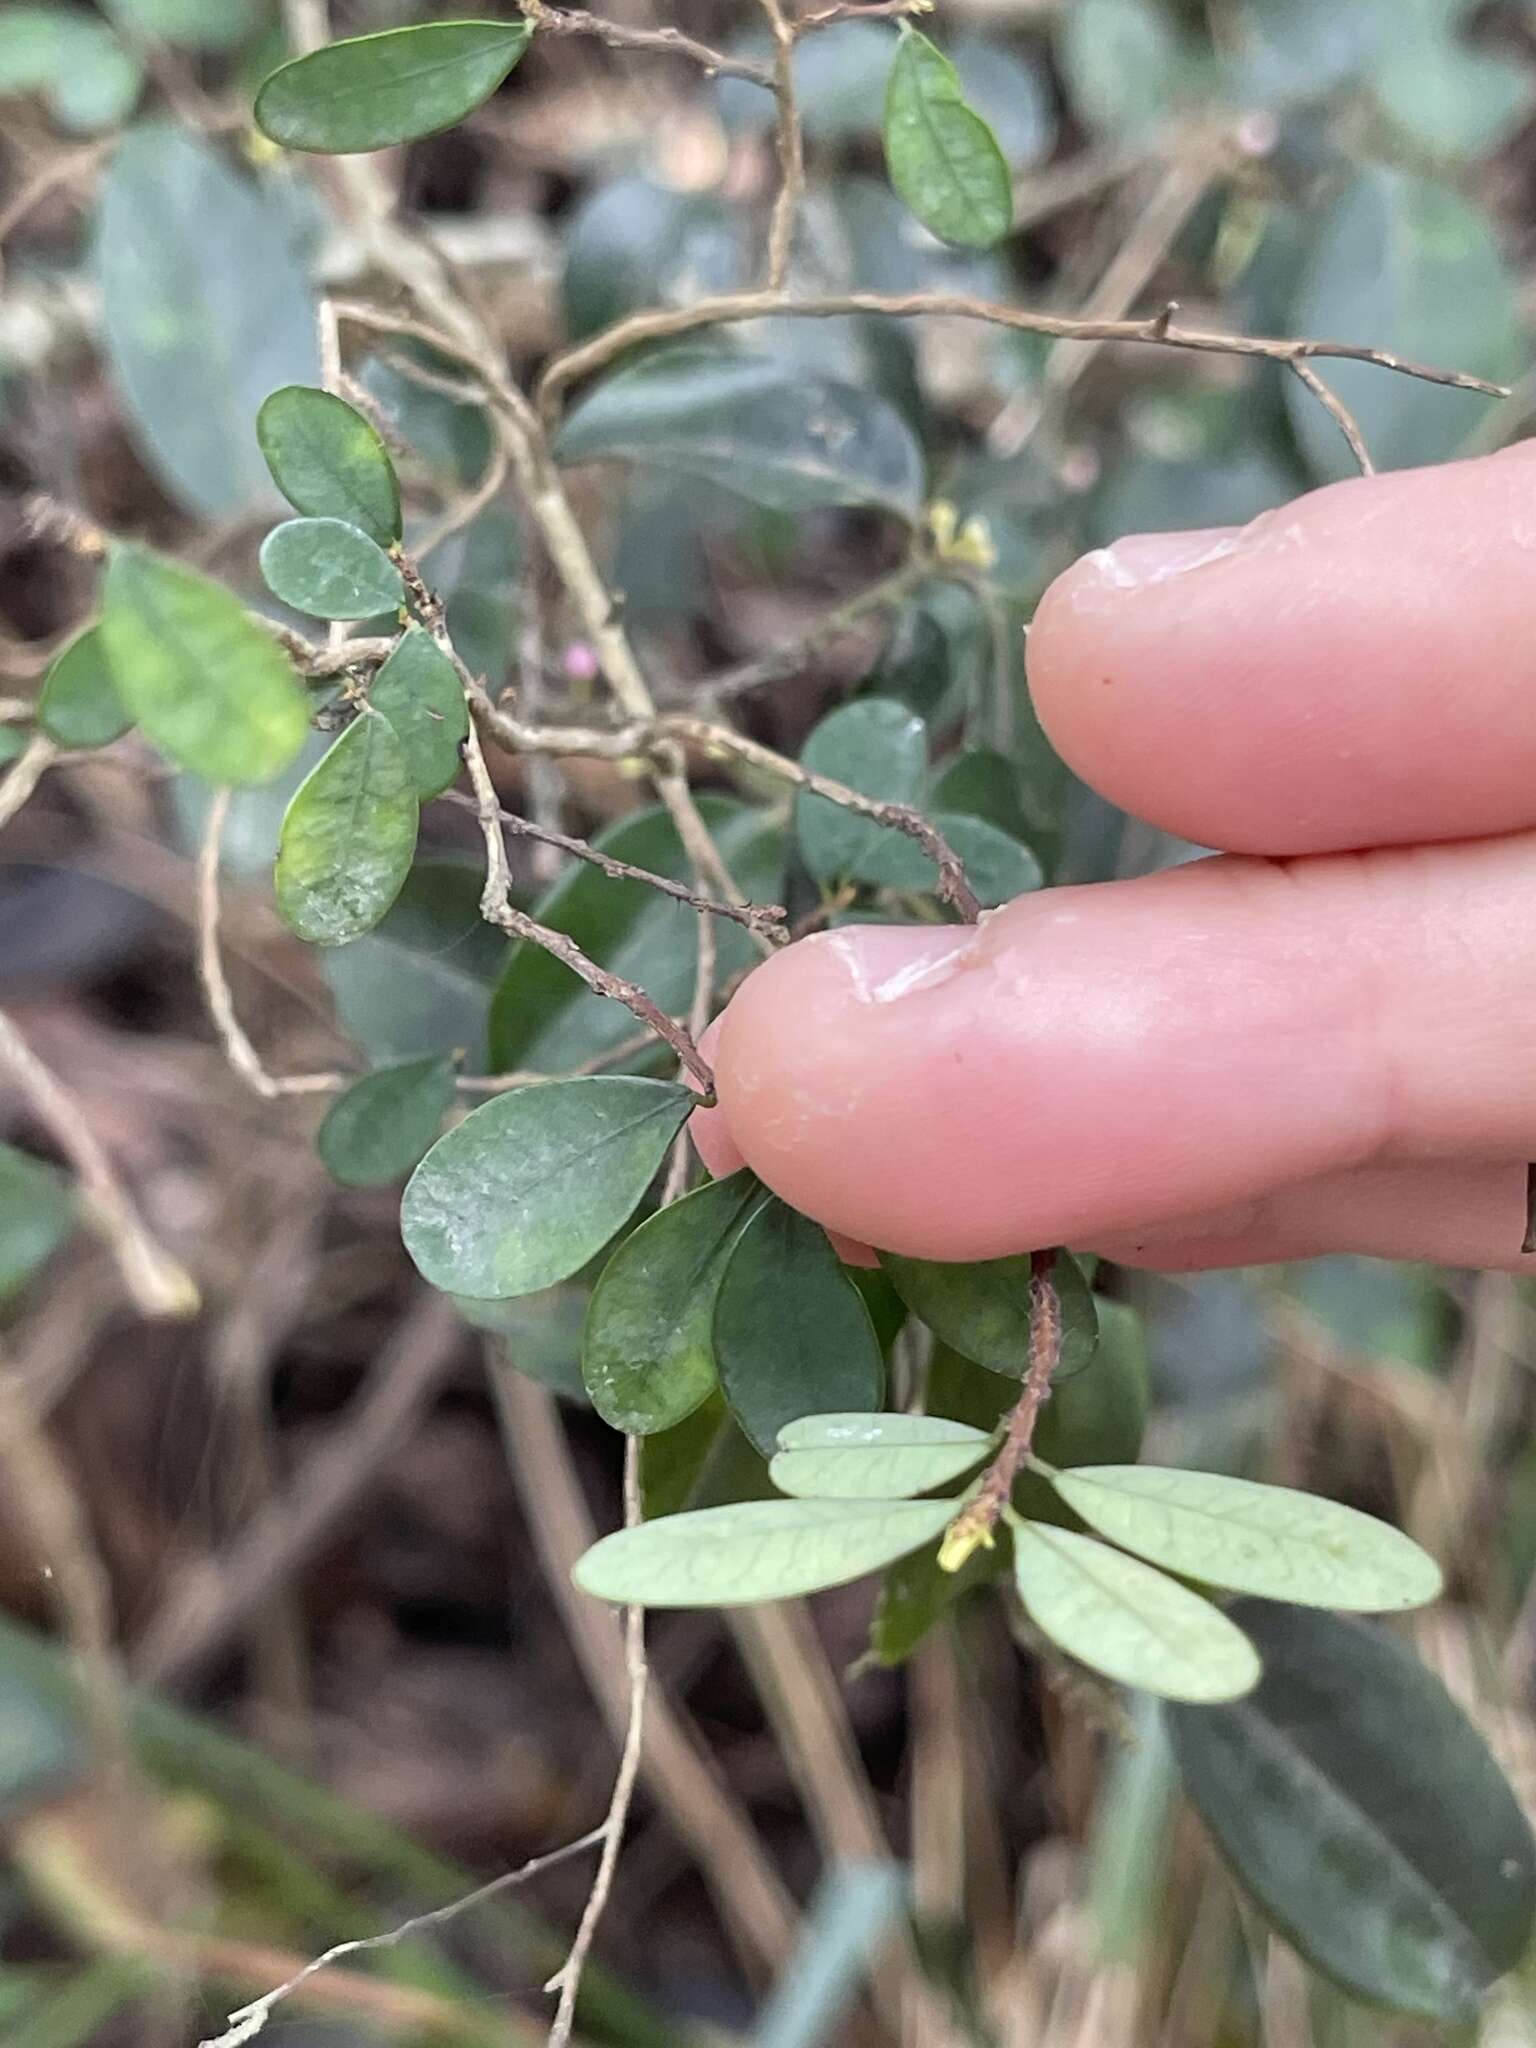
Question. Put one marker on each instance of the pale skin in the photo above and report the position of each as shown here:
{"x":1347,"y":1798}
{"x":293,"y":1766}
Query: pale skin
{"x":1322,"y":1040}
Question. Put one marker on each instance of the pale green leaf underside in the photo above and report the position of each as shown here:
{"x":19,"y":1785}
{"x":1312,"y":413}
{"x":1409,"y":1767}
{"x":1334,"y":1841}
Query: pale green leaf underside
{"x":330,"y":569}
{"x":1249,"y":1538}
{"x":756,"y":1550}
{"x":1120,"y":1617}
{"x":873,"y":1457}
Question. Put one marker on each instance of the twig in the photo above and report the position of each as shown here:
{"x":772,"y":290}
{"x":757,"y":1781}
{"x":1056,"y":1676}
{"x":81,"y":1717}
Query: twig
{"x":217,"y":996}
{"x":497,"y":907}
{"x":787,"y":658}
{"x":669,"y":42}
{"x":1338,"y":411}
{"x":761,"y":917}
{"x":158,"y":1284}
{"x":247,"y":2021}
{"x":972,"y":1527}
{"x":454,"y":518}
{"x":24,"y":774}
{"x":200,"y":1615}
{"x":789,"y":142}
{"x":858,"y":10}
{"x":728,"y":308}
{"x":568,"y":1978}
{"x":636,"y":741}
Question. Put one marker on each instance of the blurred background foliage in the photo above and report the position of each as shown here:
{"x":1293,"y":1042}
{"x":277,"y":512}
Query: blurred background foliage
{"x":1363,"y":170}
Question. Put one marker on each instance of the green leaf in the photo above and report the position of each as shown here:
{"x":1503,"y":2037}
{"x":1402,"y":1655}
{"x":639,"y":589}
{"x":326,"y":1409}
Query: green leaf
{"x":648,"y":1354}
{"x":540,"y":1333}
{"x":880,"y":749}
{"x":83,"y":72}
{"x":981,"y":783}
{"x":756,"y":1550}
{"x":983,"y":1309}
{"x":1120,"y":1617}
{"x":205,"y":310}
{"x":79,"y":705}
{"x":1455,"y":103}
{"x":1097,"y":1416}
{"x":349,"y":836}
{"x":943,"y":159}
{"x":546,"y":1019}
{"x":373,"y":91}
{"x":1125,"y":67}
{"x":208,"y":685}
{"x":13,"y":740}
{"x":379,"y":1128}
{"x":873,"y":1457}
{"x":673,"y":1461}
{"x":330,"y":570}
{"x":1360,"y":1807}
{"x":792,"y":1334}
{"x":997,"y":867}
{"x":916,"y":1594}
{"x":37,"y":1213}
{"x":535,"y":1182}
{"x":1404,"y":263}
{"x":421,"y":981}
{"x":759,"y":427}
{"x":190,"y":24}
{"x":419,"y":694}
{"x":1251,"y":1538}
{"x":328,"y":461}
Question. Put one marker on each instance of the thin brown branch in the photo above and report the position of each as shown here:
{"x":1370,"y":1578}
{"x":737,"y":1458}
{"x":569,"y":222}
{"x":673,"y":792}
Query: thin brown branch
{"x":218,"y":998}
{"x":497,"y":907}
{"x":858,"y":10}
{"x":637,"y":741}
{"x":247,"y":2021}
{"x":728,"y":308}
{"x":788,"y":658}
{"x":789,"y":142}
{"x":1338,"y":412}
{"x":972,"y":1528}
{"x":637,"y":1670}
{"x":24,"y":774}
{"x":760,"y":917}
{"x":157,"y":1283}
{"x":667,"y":42}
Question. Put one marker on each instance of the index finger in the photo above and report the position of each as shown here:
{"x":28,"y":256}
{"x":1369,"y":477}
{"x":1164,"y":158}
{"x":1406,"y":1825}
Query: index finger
{"x":1355,"y":669}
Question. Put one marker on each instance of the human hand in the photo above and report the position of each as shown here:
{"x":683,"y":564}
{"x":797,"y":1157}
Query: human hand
{"x":1319,"y":1041}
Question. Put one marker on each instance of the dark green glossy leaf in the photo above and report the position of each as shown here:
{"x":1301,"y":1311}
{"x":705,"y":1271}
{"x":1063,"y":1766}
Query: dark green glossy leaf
{"x":1118,"y":1616}
{"x":1363,"y":1811}
{"x":648,"y":1355}
{"x":756,"y":426}
{"x":673,"y":1461}
{"x":887,"y":1310}
{"x":792,"y":1334}
{"x":37,"y":1212}
{"x":983,"y":1309}
{"x":755,"y":1550}
{"x":328,"y":461}
{"x":205,"y":310}
{"x":420,"y":695}
{"x":1405,"y":263}
{"x":535,"y":1182}
{"x":349,"y":836}
{"x":421,"y":981}
{"x":545,"y":1019}
{"x":372,"y":91}
{"x":873,"y":1457}
{"x":79,"y":705}
{"x":981,"y":783}
{"x":876,"y":746}
{"x":997,"y":867}
{"x":942,"y":157}
{"x":84,"y":74}
{"x":379,"y":1128}
{"x":330,"y":570}
{"x":208,"y":685}
{"x":1269,"y":1540}
{"x":1097,"y":1416}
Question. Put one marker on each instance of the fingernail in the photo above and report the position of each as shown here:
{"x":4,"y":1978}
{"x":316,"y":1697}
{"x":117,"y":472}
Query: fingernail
{"x":887,"y":962}
{"x":1141,"y":559}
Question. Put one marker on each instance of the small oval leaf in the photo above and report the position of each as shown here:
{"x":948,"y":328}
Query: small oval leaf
{"x":535,"y":1182}
{"x":648,"y":1354}
{"x":879,"y":748}
{"x":756,"y":1550}
{"x":348,"y":836}
{"x":79,"y":705}
{"x":1361,"y":1808}
{"x":381,"y":1126}
{"x":873,"y":1457}
{"x":997,"y":866}
{"x":371,"y":91}
{"x":419,"y":693}
{"x":982,"y":1310}
{"x":942,"y":157}
{"x":328,"y":461}
{"x":792,"y":1335}
{"x":208,"y":685}
{"x":1120,"y":1617}
{"x":1250,"y":1538}
{"x":330,"y":570}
